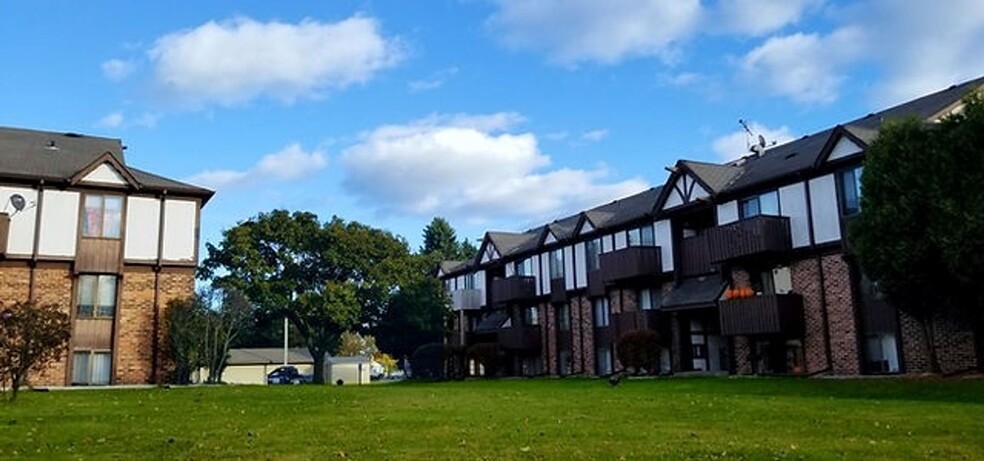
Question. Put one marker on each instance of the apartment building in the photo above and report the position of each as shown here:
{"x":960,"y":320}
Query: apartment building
{"x":109,"y":243}
{"x":741,"y":268}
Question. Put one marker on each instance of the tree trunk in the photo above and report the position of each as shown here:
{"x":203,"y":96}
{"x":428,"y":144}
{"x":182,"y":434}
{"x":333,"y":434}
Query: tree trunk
{"x":318,"y":355}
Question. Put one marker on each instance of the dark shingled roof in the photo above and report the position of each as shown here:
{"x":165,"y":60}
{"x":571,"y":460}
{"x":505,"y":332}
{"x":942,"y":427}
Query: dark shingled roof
{"x":493,"y":322}
{"x":31,"y":154}
{"x":509,"y":243}
{"x":804,"y":153}
{"x":695,"y":292}
{"x":449,"y":267}
{"x":623,"y":210}
{"x":717,"y":177}
{"x":564,"y":228}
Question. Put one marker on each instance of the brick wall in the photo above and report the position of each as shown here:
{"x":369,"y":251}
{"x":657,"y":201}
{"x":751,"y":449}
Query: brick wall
{"x":135,"y":328}
{"x":53,"y":285}
{"x":742,"y":352}
{"x":15,"y":284}
{"x":841,"y":315}
{"x":953,"y":340}
{"x":805,"y":276}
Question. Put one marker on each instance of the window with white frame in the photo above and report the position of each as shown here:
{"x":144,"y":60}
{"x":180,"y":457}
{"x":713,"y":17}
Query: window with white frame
{"x":524,"y":267}
{"x":470,"y":281}
{"x":603,"y":358}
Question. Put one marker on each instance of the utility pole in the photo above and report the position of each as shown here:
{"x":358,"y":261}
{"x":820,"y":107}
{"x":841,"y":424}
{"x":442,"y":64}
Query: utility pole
{"x":285,"y":341}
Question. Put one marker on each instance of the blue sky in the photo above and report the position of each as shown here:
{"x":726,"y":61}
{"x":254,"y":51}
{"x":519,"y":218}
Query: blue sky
{"x":497,"y":114}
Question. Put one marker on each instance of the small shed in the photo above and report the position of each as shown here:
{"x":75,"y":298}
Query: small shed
{"x":350,"y":370}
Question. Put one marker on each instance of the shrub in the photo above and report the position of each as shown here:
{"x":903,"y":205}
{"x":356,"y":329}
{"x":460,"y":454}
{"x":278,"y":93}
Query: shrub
{"x":639,"y":351}
{"x":31,"y":337}
{"x":427,"y":362}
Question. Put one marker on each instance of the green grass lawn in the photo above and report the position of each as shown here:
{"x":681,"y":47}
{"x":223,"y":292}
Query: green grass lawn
{"x":512,"y":419}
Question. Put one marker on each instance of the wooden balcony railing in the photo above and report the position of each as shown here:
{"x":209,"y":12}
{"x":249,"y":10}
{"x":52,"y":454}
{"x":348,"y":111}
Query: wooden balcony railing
{"x":521,"y":338}
{"x":750,"y":237}
{"x":513,"y":289}
{"x":695,"y":256}
{"x":467,"y":298}
{"x":765,"y":314}
{"x":630,"y":262}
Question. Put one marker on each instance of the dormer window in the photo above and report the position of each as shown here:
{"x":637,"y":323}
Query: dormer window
{"x":102,"y":216}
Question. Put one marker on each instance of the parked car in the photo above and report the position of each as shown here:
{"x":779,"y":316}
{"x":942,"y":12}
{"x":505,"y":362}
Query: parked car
{"x":286,"y":375}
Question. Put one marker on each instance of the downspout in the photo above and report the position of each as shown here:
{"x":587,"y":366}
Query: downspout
{"x":37,"y":237}
{"x":155,"y":342}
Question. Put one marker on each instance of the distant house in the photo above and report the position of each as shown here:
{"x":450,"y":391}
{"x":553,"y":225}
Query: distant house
{"x":251,"y":366}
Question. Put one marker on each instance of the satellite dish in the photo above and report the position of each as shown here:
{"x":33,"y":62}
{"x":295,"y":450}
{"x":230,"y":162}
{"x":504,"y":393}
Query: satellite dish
{"x":17,"y":200}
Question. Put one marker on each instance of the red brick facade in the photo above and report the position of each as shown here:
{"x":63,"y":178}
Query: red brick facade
{"x":133,"y":344}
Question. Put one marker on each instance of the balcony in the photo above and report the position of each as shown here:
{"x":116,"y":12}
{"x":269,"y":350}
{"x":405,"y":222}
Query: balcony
{"x":695,"y":256}
{"x":466,"y":299}
{"x":523,"y":338}
{"x":629,"y":263}
{"x":558,"y":291}
{"x":765,"y":314}
{"x":596,"y":284}
{"x":515,"y":289}
{"x":624,"y":322}
{"x":757,"y":236}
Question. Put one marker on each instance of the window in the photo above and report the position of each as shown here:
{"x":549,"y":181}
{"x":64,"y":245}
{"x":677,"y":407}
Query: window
{"x":557,"y":264}
{"x":649,"y":299}
{"x":563,"y":318}
{"x":602,"y":312}
{"x":642,"y":236}
{"x":531,"y":316}
{"x":97,"y":296}
{"x":592,"y":250}
{"x":604,"y":357}
{"x":849,"y":183}
{"x":469,"y":281}
{"x":91,"y":367}
{"x":524,"y":267}
{"x":764,"y":204}
{"x":102,"y":216}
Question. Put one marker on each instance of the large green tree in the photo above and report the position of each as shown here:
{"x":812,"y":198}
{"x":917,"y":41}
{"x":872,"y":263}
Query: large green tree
{"x":416,"y":315}
{"x":326,"y":278}
{"x":919,"y":235}
{"x":441,"y":242}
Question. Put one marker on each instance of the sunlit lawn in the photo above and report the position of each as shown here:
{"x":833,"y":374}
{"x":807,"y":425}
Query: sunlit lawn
{"x":510,"y":419}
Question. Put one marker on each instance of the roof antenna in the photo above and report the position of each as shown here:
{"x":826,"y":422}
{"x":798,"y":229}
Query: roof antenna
{"x":759,"y":147}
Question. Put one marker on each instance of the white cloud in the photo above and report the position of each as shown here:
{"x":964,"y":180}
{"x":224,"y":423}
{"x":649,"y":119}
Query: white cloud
{"x":237,"y":60}
{"x":923,"y":47}
{"x":469,"y":167}
{"x":111,"y":120}
{"x":574,"y":31}
{"x":433,"y":82}
{"x":758,"y":17}
{"x":594,"y":135}
{"x":290,"y":163}
{"x":117,"y":70}
{"x":736,"y":144}
{"x":807,"y":68}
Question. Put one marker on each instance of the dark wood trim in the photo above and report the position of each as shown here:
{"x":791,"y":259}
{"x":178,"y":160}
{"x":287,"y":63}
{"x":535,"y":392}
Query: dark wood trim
{"x":106,"y":157}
